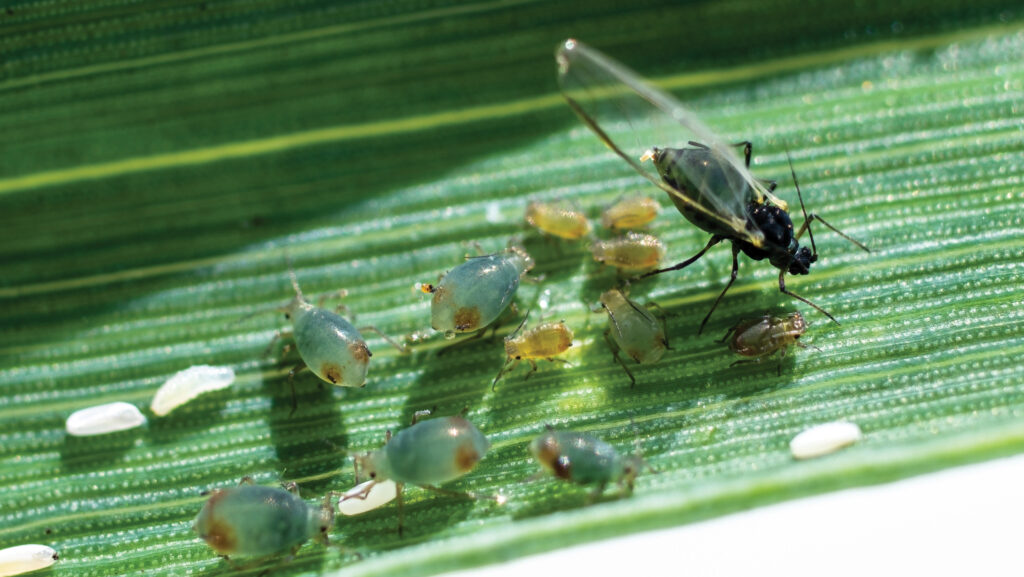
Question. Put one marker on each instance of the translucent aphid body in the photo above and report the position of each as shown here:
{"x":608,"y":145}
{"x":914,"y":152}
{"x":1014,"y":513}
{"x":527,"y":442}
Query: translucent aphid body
{"x":544,"y":341}
{"x":427,"y":453}
{"x":255,"y":521}
{"x":634,"y":252}
{"x":707,"y":181}
{"x":633,"y":329}
{"x":585,"y":460}
{"x":473,"y":294}
{"x":764,"y":336}
{"x":631,"y":212}
{"x":331,"y":347}
{"x":557,"y":220}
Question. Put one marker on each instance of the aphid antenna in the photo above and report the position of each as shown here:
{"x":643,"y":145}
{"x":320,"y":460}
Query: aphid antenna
{"x":812,"y":216}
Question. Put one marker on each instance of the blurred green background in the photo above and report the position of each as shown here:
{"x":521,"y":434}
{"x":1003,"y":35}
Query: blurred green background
{"x":162,"y":159}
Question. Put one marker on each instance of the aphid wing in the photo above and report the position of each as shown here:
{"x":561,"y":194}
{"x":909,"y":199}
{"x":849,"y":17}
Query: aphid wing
{"x":631,"y":117}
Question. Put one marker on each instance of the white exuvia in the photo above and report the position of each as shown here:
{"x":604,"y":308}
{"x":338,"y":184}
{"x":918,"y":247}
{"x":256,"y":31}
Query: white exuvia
{"x":103,"y":419}
{"x":824,"y":439}
{"x":25,"y":558}
{"x":188,"y":384}
{"x":378,"y":494}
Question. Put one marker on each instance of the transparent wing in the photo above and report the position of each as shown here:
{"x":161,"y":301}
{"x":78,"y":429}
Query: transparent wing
{"x":632,"y":117}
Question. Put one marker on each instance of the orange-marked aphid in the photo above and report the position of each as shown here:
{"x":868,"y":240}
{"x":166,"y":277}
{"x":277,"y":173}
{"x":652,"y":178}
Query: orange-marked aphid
{"x":633,"y":330}
{"x":255,"y":521}
{"x":762,"y":337}
{"x":426,"y":454}
{"x":634,"y":252}
{"x":330,"y":346}
{"x":475,"y":293}
{"x":631,"y":212}
{"x":544,"y":341}
{"x":557,"y":220}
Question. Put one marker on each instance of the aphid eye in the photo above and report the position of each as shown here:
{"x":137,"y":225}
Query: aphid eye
{"x":287,"y":316}
{"x":373,"y":475}
{"x":519,"y":358}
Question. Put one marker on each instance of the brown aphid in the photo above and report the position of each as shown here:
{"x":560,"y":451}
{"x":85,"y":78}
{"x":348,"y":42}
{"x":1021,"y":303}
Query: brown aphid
{"x":544,"y":341}
{"x":764,"y":336}
{"x":631,"y":212}
{"x":557,"y":220}
{"x":634,"y":252}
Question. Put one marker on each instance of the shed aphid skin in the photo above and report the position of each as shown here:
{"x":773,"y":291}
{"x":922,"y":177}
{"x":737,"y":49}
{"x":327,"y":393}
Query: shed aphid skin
{"x":630,"y":212}
{"x":367,"y":496}
{"x":255,"y":521}
{"x":708,"y":182}
{"x":104,"y":419}
{"x":426,"y":454}
{"x":473,"y":295}
{"x":585,"y":460}
{"x":22,"y":559}
{"x":188,"y":384}
{"x":544,"y":341}
{"x":634,"y":330}
{"x":632,"y":253}
{"x":558,"y":220}
{"x":764,"y":336}
{"x":823,"y":439}
{"x":329,"y":345}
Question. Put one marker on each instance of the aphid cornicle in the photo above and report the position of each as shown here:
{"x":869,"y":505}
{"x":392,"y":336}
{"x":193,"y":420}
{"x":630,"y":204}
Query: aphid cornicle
{"x":764,"y":336}
{"x":330,"y":346}
{"x":557,"y":220}
{"x":427,"y":453}
{"x":633,"y":330}
{"x":707,"y":182}
{"x":634,"y":252}
{"x":472,"y":295}
{"x":586,"y":460}
{"x":631,"y":212}
{"x":544,"y":341}
{"x":255,"y":521}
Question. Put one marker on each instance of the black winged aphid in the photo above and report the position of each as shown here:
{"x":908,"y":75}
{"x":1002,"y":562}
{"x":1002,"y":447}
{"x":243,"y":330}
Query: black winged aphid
{"x":708,"y":182}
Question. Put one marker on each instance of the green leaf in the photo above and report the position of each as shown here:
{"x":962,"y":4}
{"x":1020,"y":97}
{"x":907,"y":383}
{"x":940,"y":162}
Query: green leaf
{"x":163,"y":162}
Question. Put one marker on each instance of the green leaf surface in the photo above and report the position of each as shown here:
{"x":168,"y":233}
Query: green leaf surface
{"x":162,"y":162}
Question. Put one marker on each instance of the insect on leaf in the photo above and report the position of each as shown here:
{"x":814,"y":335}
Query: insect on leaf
{"x":633,"y":118}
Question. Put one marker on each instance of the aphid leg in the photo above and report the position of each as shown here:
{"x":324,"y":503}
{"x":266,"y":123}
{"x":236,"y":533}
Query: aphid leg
{"x":594,"y":495}
{"x":732,"y":279}
{"x":714,"y":240}
{"x":663,"y":316}
{"x":401,"y":348}
{"x":292,"y":487}
{"x":480,"y":333}
{"x":533,"y":368}
{"x":784,"y":290}
{"x":615,"y":353}
{"x":278,"y":335}
{"x":423,"y":413}
{"x":291,"y":384}
{"x":401,"y":514}
{"x":340,"y":293}
{"x":813,"y":216}
{"x":727,"y":333}
{"x":504,"y":369}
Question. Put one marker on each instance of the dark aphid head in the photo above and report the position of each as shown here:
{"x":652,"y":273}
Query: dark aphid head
{"x":631,"y":467}
{"x":802,"y":260}
{"x":322,"y":520}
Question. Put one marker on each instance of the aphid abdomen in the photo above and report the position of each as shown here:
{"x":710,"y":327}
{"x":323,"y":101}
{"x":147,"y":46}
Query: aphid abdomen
{"x":251,"y":520}
{"x":631,"y":253}
{"x":435,"y":451}
{"x":543,"y":341}
{"x":577,"y":457}
{"x":717,"y":184}
{"x":473,"y":294}
{"x":330,"y":346}
{"x":634,"y":328}
{"x":630,"y":213}
{"x":557,"y":220}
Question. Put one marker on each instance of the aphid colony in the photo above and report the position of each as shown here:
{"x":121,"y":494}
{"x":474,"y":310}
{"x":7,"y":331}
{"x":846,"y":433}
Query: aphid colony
{"x":708,"y":184}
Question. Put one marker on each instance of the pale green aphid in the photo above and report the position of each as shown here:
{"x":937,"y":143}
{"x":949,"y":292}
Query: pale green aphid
{"x":633,"y":330}
{"x":330,"y":346}
{"x":255,"y":521}
{"x":472,"y":295}
{"x":426,"y":454}
{"x":585,"y":460}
